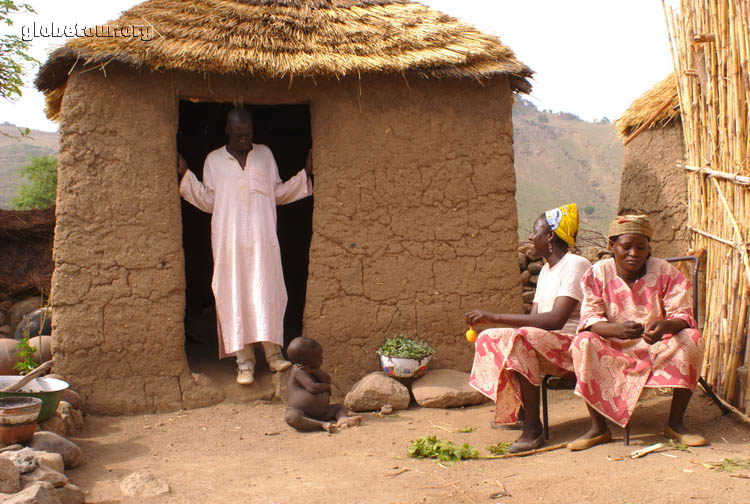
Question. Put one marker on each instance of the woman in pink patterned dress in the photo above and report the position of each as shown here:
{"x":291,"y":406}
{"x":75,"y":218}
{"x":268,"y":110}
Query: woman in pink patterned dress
{"x":508,"y":363}
{"x":637,"y":331}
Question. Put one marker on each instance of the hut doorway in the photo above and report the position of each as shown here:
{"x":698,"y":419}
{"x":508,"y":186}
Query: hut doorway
{"x":285,"y":129}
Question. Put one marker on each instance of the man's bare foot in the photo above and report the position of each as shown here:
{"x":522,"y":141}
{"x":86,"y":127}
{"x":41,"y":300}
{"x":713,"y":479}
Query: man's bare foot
{"x":350,"y":421}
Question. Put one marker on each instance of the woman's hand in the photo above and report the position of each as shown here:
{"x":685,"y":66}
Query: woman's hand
{"x":475,"y":317}
{"x":631,"y":330}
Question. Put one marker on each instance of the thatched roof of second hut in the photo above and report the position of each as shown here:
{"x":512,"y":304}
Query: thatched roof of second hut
{"x":647,"y":104}
{"x":287,"y":39}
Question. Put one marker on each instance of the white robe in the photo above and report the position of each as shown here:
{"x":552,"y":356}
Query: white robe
{"x":248,"y":282}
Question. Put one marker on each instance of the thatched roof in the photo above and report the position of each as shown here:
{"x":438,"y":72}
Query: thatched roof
{"x":26,"y":248}
{"x":289,"y":39}
{"x":648,"y":103}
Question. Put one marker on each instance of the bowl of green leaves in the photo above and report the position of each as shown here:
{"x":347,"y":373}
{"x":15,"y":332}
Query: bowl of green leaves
{"x":403,"y":357}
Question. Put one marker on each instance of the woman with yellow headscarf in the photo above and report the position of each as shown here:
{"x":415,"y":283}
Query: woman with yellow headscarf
{"x":508,"y":362}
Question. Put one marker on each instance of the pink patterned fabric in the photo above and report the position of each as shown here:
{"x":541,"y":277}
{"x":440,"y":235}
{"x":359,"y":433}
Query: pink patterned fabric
{"x":612,"y":372}
{"x":529,"y":351}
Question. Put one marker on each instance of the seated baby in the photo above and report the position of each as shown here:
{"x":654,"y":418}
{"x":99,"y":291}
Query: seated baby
{"x":309,"y":391}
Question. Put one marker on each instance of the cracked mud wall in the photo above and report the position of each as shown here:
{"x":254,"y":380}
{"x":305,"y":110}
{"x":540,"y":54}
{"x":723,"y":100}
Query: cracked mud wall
{"x":118,"y":285}
{"x":415,"y":218}
{"x":652,"y":184}
{"x":414,"y":224}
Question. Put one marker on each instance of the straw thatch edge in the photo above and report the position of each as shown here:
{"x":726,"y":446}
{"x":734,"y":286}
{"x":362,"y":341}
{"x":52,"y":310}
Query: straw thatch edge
{"x":649,"y":102}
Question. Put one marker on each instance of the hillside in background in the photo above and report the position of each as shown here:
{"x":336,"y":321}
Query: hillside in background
{"x":560,"y":159}
{"x":15,"y":152}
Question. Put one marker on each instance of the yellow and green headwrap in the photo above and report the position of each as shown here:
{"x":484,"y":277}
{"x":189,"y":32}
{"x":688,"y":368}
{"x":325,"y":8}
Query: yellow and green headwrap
{"x":563,"y":221}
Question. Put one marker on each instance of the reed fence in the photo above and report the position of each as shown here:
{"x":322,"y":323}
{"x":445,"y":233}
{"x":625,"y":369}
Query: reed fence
{"x":710,"y":43}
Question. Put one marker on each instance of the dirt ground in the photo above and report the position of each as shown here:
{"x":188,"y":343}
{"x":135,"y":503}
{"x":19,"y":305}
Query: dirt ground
{"x":244,"y":452}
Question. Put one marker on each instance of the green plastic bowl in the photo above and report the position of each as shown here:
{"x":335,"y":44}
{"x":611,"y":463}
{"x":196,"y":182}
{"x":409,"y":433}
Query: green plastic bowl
{"x":49,"y":390}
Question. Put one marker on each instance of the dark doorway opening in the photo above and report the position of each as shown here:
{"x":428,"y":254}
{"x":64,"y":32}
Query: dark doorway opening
{"x":285,"y":129}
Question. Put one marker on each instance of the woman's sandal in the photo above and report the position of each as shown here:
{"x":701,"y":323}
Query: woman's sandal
{"x":586,"y":443}
{"x":686,"y":439}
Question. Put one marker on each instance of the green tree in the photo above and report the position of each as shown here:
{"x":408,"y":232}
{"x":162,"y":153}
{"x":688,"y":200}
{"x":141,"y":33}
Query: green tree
{"x":40,"y":188}
{"x":13,"y":51}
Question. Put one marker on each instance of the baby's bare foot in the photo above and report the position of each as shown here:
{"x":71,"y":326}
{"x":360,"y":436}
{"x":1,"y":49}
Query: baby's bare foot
{"x":350,"y":421}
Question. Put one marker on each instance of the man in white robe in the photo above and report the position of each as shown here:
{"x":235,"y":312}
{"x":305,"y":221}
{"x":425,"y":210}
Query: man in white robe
{"x":241,"y":188}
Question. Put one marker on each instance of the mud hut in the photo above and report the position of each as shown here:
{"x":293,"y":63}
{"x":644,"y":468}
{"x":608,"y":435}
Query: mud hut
{"x":413,"y":220}
{"x":652,"y":132}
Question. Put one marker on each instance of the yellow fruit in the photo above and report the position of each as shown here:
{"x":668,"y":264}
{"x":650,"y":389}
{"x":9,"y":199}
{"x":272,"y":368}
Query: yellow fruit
{"x":471,"y":335}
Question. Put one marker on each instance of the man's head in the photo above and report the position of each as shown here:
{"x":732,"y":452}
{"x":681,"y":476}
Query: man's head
{"x":305,"y":351}
{"x":239,"y":128}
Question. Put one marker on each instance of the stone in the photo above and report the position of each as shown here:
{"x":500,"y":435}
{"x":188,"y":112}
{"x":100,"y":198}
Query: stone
{"x":55,"y":424}
{"x":374,"y":391}
{"x":533,"y":279}
{"x":20,"y":309}
{"x":527,"y":307}
{"x":4,"y":319}
{"x":40,"y":492}
{"x":13,"y":447}
{"x":74,"y":398}
{"x":526,"y":248}
{"x":535,"y":267}
{"x":10,"y":477}
{"x":280,"y":382}
{"x":54,"y":478}
{"x":51,"y":442}
{"x":445,"y":388}
{"x":24,"y":459}
{"x":525,"y":275}
{"x":50,"y":460}
{"x":4,"y":331}
{"x":528,"y":296}
{"x":143,"y":484}
{"x":523,"y":262}
{"x":70,"y":494}
{"x":387,"y":409}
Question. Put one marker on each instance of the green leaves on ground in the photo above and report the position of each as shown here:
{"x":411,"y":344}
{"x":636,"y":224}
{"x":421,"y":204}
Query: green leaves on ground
{"x":500,"y":448}
{"x":405,"y":347}
{"x":40,"y":187}
{"x":733,"y":464}
{"x":446,"y":451}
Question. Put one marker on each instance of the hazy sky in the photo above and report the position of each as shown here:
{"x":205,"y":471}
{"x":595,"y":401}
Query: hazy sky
{"x":591,"y":57}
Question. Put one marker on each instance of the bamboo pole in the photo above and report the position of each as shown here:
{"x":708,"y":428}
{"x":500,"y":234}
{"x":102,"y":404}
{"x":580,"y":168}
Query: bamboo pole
{"x":710,"y":46}
{"x":737,"y":179}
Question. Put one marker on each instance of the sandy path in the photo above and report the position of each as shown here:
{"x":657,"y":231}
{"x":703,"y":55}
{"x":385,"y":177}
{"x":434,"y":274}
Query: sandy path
{"x":245,"y":453}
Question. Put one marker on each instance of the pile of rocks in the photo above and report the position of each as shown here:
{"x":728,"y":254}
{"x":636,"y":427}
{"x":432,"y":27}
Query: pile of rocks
{"x":439,"y":388}
{"x":531,"y":266}
{"x":36,"y":473}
